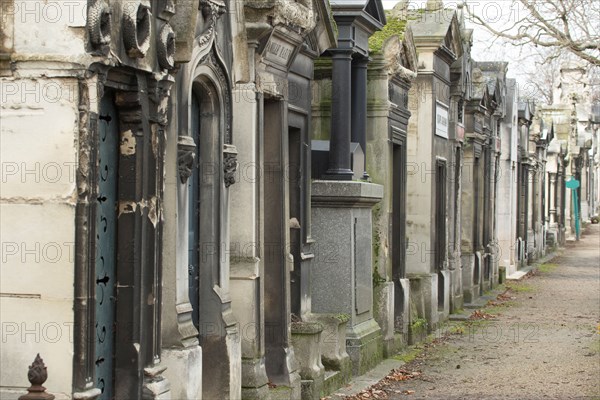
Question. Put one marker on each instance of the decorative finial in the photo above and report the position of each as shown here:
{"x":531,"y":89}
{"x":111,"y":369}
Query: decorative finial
{"x":37,"y":375}
{"x":434,"y":5}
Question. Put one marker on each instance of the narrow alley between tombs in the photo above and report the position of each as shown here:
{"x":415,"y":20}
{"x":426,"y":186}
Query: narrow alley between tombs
{"x":539,"y":338}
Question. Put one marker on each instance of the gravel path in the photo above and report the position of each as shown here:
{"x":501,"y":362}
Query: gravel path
{"x":544,"y":342}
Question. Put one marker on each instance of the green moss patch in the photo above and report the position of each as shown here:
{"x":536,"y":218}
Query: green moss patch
{"x":393,"y":27}
{"x":546,"y":268}
{"x":520,"y":287}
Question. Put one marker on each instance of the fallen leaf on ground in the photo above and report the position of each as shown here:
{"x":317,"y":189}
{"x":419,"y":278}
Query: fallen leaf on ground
{"x":478,"y":314}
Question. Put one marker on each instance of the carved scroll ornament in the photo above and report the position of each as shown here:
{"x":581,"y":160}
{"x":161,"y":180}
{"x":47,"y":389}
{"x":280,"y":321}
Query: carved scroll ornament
{"x":137,"y":23}
{"x":165,"y":48}
{"x":99,"y":22}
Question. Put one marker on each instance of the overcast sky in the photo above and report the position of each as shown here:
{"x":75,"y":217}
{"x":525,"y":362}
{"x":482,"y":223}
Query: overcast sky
{"x":500,"y":13}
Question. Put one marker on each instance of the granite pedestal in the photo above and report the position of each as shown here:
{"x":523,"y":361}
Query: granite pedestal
{"x":342,"y":275}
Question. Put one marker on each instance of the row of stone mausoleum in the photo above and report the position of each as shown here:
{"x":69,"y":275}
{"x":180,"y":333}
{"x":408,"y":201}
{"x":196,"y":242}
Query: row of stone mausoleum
{"x":213,"y":199}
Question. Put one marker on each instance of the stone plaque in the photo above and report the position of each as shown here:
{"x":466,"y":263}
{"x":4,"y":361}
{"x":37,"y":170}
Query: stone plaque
{"x":441,"y":120}
{"x":280,"y":51}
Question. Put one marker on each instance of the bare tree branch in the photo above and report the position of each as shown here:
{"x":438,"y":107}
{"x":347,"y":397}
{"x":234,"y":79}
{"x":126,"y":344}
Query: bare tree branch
{"x":566,"y":25}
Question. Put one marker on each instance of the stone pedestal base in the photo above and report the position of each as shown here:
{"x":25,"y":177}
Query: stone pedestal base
{"x":306,"y":339}
{"x":424,"y":295}
{"x":443,"y":298}
{"x":287,"y":392}
{"x":456,"y":292}
{"x":156,"y":386}
{"x":184,"y":371}
{"x":552,"y":237}
{"x":247,"y":305}
{"x":342,"y":275}
{"x":254,"y":379}
{"x":335,"y":359}
{"x":393,"y":323}
{"x":471,"y":276}
{"x":364,"y":346}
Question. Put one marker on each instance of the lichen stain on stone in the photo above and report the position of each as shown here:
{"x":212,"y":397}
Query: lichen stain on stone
{"x":127,"y":207}
{"x":127,"y":147}
{"x":154,"y":140}
{"x":153,"y":211}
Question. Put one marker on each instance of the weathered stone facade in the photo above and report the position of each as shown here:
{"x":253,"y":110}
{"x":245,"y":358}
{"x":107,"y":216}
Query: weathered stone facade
{"x":390,"y":75}
{"x":431,"y":156}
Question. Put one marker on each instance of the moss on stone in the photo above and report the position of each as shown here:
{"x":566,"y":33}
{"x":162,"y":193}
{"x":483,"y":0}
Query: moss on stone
{"x":333,"y":23}
{"x":394,"y":26}
{"x":378,"y":278}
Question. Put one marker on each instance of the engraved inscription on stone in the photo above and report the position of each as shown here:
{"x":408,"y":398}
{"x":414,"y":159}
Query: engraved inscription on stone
{"x":279,"y":51}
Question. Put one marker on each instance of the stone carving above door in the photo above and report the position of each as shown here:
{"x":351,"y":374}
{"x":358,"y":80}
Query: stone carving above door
{"x":298,"y":16}
{"x":211,"y":11}
{"x":99,"y":22}
{"x":137,"y":23}
{"x":165,"y":47}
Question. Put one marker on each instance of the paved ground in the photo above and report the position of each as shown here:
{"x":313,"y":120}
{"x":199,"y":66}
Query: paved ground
{"x":540,"y":341}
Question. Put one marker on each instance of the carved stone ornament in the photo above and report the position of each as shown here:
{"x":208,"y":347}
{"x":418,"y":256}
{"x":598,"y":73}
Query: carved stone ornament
{"x":211,"y":11}
{"x":99,"y":22}
{"x":297,"y":14}
{"x":224,"y":83}
{"x":186,"y":153}
{"x":165,"y":48}
{"x":160,"y":93}
{"x":37,"y":375}
{"x":229,"y":164}
{"x":137,"y":23}
{"x":166,"y":9}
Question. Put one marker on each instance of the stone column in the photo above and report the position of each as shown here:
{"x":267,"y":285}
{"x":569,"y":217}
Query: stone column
{"x":341,"y":108}
{"x":359,"y":107}
{"x":181,"y":352}
{"x":552,"y":199}
{"x":583,"y":192}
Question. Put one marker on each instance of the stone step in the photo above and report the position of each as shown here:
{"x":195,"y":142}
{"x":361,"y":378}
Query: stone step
{"x":329,"y":374}
{"x":280,"y":393}
{"x":480,"y":302}
{"x":459,"y":317}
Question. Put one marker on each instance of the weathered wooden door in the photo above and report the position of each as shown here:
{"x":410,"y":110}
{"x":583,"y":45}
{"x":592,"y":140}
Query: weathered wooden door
{"x":106,"y":228}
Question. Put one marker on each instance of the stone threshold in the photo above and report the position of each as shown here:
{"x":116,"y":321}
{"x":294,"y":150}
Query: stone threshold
{"x":362,"y":382}
{"x":518,"y":275}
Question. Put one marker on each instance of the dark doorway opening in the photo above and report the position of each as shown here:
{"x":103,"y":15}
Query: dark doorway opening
{"x":398,"y":231}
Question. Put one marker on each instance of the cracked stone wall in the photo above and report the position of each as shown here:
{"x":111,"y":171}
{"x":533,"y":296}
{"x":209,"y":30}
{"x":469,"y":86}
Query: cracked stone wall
{"x":37,"y":204}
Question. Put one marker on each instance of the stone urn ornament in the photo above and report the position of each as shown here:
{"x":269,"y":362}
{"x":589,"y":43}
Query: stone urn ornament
{"x":37,"y":375}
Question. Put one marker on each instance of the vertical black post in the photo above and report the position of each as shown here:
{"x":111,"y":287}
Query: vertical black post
{"x":359,"y":106}
{"x":341,"y":109}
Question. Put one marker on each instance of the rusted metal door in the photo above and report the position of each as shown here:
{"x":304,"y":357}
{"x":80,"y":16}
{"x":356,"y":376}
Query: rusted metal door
{"x":106,"y":227}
